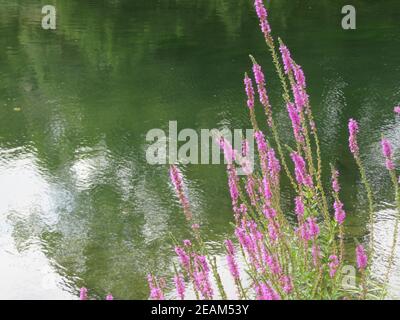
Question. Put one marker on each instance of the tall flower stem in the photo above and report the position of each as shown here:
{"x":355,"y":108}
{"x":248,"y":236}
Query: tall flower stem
{"x":217,"y":277}
{"x":268,"y":113}
{"x":355,"y":150}
{"x":313,"y":128}
{"x":368,"y":189}
{"x":363,"y":285}
{"x":286,"y":96}
{"x":395,"y":233}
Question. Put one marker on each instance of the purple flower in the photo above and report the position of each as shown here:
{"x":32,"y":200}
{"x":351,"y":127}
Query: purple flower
{"x":240,"y":234}
{"x":265,"y":292}
{"x":187,"y":243}
{"x":109,"y":297}
{"x":229,"y":152}
{"x":299,"y":76}
{"x":201,"y":276}
{"x":184,"y":258}
{"x":203,"y":262}
{"x":260,"y":80}
{"x":397,"y":110}
{"x":248,"y":243}
{"x":340,"y":214}
{"x":230,"y":156}
{"x":313,"y":228}
{"x":362,"y":259}
{"x":177,"y":181}
{"x":302,"y":176}
{"x":296,"y":123}
{"x":299,"y":97}
{"x":258,"y":74}
{"x":261,"y":144}
{"x":269,"y":213}
{"x":333,"y":265}
{"x":249,"y":91}
{"x":262,"y":14}
{"x":83,"y":294}
{"x":250,"y":184}
{"x":287,"y":284}
{"x":353,"y":130}
{"x":266,"y":190}
{"x":286,"y":58}
{"x":305,"y":99}
{"x":388,"y":154}
{"x":245,"y":148}
{"x":308,"y":230}
{"x":386,"y":148}
{"x":272,"y":232}
{"x":335,"y":181}
{"x":274,"y":166}
{"x":299,"y":207}
{"x":176,"y":177}
{"x":233,"y":186}
{"x":179,"y":286}
{"x":233,"y":267}
{"x":156,"y":294}
{"x":389,"y":164}
{"x":155,"y":291}
{"x":303,"y":232}
{"x":229,"y":247}
{"x":273,"y":264}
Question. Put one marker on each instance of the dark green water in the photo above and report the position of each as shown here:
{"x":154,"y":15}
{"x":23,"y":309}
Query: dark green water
{"x":80,"y":206}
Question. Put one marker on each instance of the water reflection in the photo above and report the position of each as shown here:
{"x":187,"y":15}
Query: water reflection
{"x":27,"y":209}
{"x":384,"y":230}
{"x":80,"y":206}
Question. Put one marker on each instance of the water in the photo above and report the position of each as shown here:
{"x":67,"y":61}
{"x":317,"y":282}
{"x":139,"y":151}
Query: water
{"x":79,"y":204}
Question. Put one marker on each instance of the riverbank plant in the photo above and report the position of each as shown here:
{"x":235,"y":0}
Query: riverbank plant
{"x":272,"y":255}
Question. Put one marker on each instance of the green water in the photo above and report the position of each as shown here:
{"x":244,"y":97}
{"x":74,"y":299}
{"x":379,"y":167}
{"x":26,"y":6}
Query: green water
{"x":79,"y":204}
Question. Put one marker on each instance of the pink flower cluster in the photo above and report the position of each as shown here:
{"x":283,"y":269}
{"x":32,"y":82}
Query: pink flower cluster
{"x":353,"y":131}
{"x":296,"y":122}
{"x":156,"y":292}
{"x":249,"y":91}
{"x":231,"y":260}
{"x":260,"y":81}
{"x":201,"y":276}
{"x":274,"y":167}
{"x":362,"y":259}
{"x":309,"y":230}
{"x":177,"y":181}
{"x":184,"y":258}
{"x":262,"y":14}
{"x":180,"y":286}
{"x":340,"y":214}
{"x":302,"y":177}
{"x":333,"y":265}
{"x":335,"y":181}
{"x":286,"y":58}
{"x":299,"y":207}
{"x":265,"y":292}
{"x":387,"y":152}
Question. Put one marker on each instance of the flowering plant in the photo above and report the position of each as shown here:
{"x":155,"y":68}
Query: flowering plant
{"x":282,"y":258}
